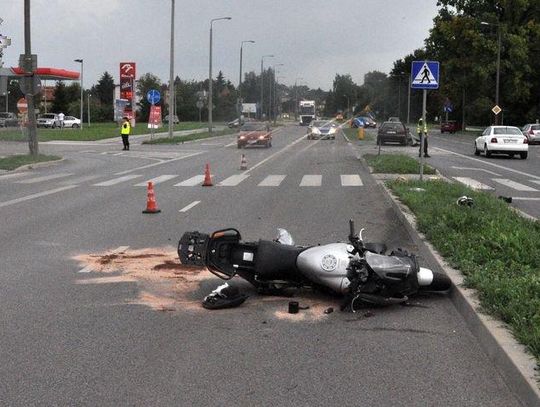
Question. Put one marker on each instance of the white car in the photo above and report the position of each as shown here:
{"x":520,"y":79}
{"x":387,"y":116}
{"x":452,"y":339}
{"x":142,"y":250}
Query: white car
{"x":71,"y":121}
{"x":502,"y":140}
{"x":532,"y":132}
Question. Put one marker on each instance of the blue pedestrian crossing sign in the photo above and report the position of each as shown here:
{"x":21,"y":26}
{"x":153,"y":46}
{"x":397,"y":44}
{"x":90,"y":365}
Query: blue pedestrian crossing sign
{"x":425,"y":75}
{"x":153,"y":96}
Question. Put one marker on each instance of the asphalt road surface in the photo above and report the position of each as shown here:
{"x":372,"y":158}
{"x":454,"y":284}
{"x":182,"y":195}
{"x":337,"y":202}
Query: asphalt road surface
{"x":72,"y":335}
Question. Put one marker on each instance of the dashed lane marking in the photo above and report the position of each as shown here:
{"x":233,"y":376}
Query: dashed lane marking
{"x":118,"y":250}
{"x":156,"y":180}
{"x":514,"y":185}
{"x":472,"y":183}
{"x":34,"y":196}
{"x":188,"y":207}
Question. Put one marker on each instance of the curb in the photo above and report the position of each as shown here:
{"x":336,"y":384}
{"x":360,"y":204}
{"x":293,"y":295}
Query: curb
{"x":33,"y":166}
{"x":511,"y":358}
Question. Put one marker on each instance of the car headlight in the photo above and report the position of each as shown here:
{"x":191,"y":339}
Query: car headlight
{"x":261,"y":137}
{"x":332,"y":130}
{"x":242,"y":137}
{"x":315,"y":130}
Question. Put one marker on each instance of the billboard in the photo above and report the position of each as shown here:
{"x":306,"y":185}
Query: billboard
{"x":127,"y":88}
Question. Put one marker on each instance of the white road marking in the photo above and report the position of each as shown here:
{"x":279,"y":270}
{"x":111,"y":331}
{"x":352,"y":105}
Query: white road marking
{"x":80,"y":180}
{"x":118,"y":180}
{"x":159,"y":163}
{"x":188,"y":207}
{"x":233,"y":180}
{"x":34,"y":196}
{"x":275,"y":154}
{"x":16,"y":175}
{"x":488,"y":163}
{"x":197,"y":179}
{"x":535,"y":181}
{"x":118,"y":250}
{"x":156,"y":180}
{"x":477,"y":169}
{"x":524,"y":199}
{"x":311,"y":181}
{"x":272,"y":181}
{"x":44,"y":178}
{"x":472,"y":183}
{"x":117,"y":154}
{"x":352,"y":180}
{"x":104,"y":153}
{"x":514,"y":185}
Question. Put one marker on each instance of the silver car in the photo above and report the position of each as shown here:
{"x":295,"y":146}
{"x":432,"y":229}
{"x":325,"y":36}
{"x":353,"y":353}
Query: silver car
{"x":50,"y":120}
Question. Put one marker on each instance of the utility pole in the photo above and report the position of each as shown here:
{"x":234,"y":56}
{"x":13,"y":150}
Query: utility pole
{"x":240,"y":83}
{"x":32,"y":133}
{"x":171,"y":74}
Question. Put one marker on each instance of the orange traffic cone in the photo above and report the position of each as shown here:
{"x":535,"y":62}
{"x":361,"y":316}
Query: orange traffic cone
{"x":243,"y":163}
{"x":151,"y":205}
{"x":207,"y":177}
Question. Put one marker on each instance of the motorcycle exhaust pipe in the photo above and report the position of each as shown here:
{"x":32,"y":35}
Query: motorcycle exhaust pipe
{"x":425,"y":277}
{"x":433,"y":281}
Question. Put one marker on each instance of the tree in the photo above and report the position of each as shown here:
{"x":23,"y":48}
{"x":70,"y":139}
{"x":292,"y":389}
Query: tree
{"x":61,"y":100}
{"x":145,"y":83}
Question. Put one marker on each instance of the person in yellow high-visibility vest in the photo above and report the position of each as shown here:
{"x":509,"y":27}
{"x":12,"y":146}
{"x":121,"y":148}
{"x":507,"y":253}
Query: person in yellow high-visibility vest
{"x":124,"y":132}
{"x":421,"y":130}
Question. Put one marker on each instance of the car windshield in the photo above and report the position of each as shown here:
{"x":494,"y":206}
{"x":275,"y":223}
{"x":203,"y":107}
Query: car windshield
{"x":48,"y":116}
{"x":253,"y":127}
{"x":392,"y":126}
{"x":323,"y":123}
{"x":535,"y":127}
{"x":507,"y":130}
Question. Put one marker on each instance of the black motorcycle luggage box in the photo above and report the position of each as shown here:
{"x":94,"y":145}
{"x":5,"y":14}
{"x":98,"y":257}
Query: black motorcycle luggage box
{"x":192,"y":248}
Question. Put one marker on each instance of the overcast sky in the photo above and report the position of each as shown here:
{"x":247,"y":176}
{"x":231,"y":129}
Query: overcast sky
{"x":314,"y":39}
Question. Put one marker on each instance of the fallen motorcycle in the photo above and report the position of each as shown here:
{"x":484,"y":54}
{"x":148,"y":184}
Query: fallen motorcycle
{"x":362,"y":272}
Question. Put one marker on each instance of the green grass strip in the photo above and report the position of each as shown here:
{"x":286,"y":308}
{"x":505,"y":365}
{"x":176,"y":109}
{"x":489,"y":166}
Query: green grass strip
{"x":352,"y":135}
{"x":396,"y":164}
{"x":495,"y":248}
{"x":189,"y":137}
{"x":15,"y":161}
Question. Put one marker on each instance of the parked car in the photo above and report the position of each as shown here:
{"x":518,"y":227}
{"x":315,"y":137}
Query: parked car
{"x":358,"y":122}
{"x":49,"y":120}
{"x":369,"y":122}
{"x":175,"y":119}
{"x":8,"y":119}
{"x":532,"y":132}
{"x":502,"y":140}
{"x":322,"y":129}
{"x":451,"y":126}
{"x":394,"y":132}
{"x":72,"y":122}
{"x":254,"y":133}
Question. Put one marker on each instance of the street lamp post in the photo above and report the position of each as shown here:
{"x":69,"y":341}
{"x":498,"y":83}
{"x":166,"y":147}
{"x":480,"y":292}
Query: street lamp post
{"x":171,"y":74}
{"x":210,"y":98}
{"x":262,"y":82}
{"x":240,"y":82}
{"x":81,"y":61}
{"x":88,"y":106}
{"x":296,"y":98}
{"x":499,"y":35}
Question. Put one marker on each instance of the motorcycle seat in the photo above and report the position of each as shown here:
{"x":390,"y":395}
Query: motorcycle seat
{"x":276,"y":261}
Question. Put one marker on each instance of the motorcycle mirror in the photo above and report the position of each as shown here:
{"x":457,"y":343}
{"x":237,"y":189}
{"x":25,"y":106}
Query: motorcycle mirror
{"x":284,"y":237}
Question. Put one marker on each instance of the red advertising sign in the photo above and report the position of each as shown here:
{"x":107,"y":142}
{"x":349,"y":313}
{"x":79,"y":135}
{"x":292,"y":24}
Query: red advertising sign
{"x":127,"y":91}
{"x":154,"y":120}
{"x":22,"y":105}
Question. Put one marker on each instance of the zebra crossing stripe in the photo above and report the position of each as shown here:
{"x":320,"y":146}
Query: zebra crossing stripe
{"x":115,"y":181}
{"x":535,"y":181}
{"x":352,"y":180}
{"x":233,"y":180}
{"x":156,"y":180}
{"x":44,"y":178}
{"x":196,"y":180}
{"x":514,"y":185}
{"x":311,"y":181}
{"x":272,"y":181}
{"x":188,"y":207}
{"x":471,"y":183}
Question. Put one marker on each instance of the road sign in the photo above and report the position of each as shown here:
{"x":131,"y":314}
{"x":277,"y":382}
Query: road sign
{"x":153,"y":96}
{"x":199,"y":104}
{"x":425,"y":75}
{"x":154,"y":120}
{"x":496,"y":109}
{"x":30,"y":85}
{"x":22,"y":105}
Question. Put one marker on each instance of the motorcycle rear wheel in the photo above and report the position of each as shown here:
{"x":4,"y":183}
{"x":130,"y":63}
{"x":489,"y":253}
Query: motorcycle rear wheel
{"x":441,"y":282}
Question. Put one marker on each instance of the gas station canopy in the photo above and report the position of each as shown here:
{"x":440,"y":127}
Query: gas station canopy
{"x":48,"y":73}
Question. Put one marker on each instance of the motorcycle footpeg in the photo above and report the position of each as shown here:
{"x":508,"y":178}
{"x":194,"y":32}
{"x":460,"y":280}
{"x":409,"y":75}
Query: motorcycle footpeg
{"x":192,"y":248}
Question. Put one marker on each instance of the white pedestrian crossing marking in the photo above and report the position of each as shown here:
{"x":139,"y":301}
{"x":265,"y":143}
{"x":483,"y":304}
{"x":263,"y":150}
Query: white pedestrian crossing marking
{"x":472,"y":183}
{"x":118,"y":180}
{"x":191,"y":182}
{"x":233,"y":180}
{"x":352,"y":180}
{"x":156,"y":180}
{"x":514,"y":185}
{"x":311,"y":181}
{"x":188,"y":207}
{"x":44,"y":178}
{"x":272,"y":181}
{"x":535,"y":181}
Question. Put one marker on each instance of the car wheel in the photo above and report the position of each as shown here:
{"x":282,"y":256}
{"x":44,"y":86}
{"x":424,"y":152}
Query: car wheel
{"x":486,"y":151}
{"x":523,"y":155}
{"x":75,"y":126}
{"x":476,"y":150}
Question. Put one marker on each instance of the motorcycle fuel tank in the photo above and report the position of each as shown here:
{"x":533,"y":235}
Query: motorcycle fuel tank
{"x":327,"y":265}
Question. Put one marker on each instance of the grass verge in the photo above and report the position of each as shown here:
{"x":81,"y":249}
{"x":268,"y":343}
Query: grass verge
{"x":15,"y":161}
{"x":494,"y":247}
{"x":396,"y":164}
{"x":96,"y":131}
{"x":352,"y":135}
{"x":189,"y":137}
